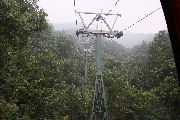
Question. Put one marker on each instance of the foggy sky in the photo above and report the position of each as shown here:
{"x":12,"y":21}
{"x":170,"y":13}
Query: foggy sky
{"x":62,"y":11}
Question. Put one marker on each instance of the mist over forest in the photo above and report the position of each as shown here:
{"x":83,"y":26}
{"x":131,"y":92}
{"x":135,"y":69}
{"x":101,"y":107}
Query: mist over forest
{"x":42,"y":71}
{"x":128,"y":40}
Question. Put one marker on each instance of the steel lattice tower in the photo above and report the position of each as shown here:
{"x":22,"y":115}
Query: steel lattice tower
{"x":99,"y":108}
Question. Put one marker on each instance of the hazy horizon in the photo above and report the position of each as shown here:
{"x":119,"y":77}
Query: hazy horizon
{"x":131,"y":11}
{"x":71,"y":26}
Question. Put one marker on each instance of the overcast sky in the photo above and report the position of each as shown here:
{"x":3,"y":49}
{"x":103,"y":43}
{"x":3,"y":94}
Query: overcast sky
{"x":62,"y":11}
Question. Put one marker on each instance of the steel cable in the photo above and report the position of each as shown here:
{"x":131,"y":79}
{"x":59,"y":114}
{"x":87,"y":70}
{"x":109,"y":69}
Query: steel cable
{"x":141,"y":19}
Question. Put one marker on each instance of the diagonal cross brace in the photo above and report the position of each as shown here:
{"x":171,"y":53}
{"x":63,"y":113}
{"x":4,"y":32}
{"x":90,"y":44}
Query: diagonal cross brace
{"x":97,"y":17}
{"x":82,"y":21}
{"x":92,"y":21}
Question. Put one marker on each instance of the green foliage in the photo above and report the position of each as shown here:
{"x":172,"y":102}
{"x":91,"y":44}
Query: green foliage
{"x":144,"y":85}
{"x":41,"y":73}
{"x":112,"y":48}
{"x":19,"y":19}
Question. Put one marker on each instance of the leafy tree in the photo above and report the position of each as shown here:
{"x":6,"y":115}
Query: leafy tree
{"x":41,"y":72}
{"x":19,"y":19}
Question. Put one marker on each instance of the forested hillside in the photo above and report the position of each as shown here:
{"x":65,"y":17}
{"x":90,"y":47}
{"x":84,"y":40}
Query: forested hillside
{"x":42,"y":72}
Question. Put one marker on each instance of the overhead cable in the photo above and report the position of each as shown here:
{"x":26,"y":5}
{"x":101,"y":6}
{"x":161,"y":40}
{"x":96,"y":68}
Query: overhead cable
{"x":141,"y":19}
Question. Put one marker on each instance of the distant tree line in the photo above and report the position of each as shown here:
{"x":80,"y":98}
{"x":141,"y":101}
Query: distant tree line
{"x":41,"y":72}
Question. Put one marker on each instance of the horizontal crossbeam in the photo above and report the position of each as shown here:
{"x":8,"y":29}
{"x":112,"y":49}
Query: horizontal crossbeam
{"x":99,"y":13}
{"x":107,"y":34}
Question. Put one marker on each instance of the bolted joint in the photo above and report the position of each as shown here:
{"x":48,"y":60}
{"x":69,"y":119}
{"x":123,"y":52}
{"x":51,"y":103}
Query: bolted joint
{"x":77,"y":33}
{"x":119,"y":34}
{"x":99,"y":18}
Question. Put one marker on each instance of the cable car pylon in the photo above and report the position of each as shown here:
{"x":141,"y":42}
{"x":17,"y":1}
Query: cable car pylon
{"x":87,"y":49}
{"x":99,"y":107}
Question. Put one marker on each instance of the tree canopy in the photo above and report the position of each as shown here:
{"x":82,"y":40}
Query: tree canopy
{"x":42,"y":72}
